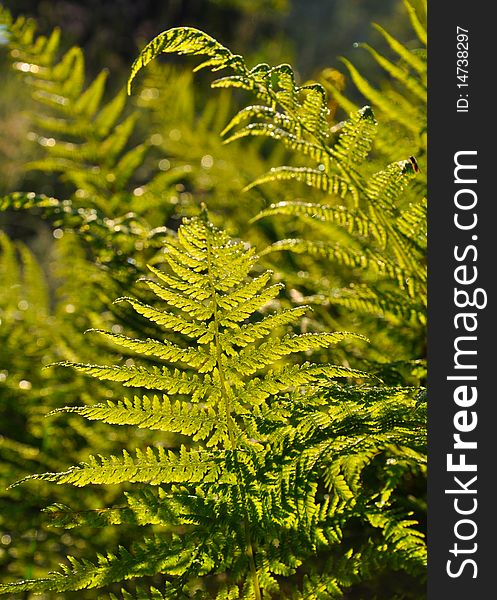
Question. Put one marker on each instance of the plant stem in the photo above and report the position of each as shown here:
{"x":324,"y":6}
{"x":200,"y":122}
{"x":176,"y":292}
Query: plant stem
{"x":225,"y":394}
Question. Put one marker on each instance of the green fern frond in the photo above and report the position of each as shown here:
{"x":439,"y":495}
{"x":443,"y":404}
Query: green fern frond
{"x":410,"y":58}
{"x":353,"y":259}
{"x":60,"y":515}
{"x":351,"y":221}
{"x":184,"y":40}
{"x":255,"y":472}
{"x":385,"y":187}
{"x":155,"y":466}
{"x":148,"y":558}
{"x":356,"y":138}
{"x":256,"y":460}
{"x":406,"y":540}
{"x":251,"y":332}
{"x":412,"y":223}
{"x":165,"y":350}
{"x":153,"y":413}
{"x":416,"y":23}
{"x":312,"y":177}
{"x":398,"y":73}
{"x":401,"y":104}
{"x":268,"y":113}
{"x":292,"y":142}
{"x":296,"y":116}
{"x":83,"y":136}
{"x":385,"y":304}
{"x":212,"y":261}
{"x":381,"y":101}
{"x":153,"y":379}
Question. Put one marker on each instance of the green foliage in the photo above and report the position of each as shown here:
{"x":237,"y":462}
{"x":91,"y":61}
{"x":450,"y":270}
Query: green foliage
{"x":384,"y":235}
{"x":85,"y":138}
{"x":87,"y":143}
{"x":250,"y":459}
{"x":295,"y":115}
{"x":34,"y":333}
{"x":123,"y":171}
{"x":272,"y":472}
{"x":368,"y":210}
{"x":401,"y":102}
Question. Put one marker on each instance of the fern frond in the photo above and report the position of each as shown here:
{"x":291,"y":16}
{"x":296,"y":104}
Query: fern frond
{"x":153,"y":413}
{"x":260,"y":112}
{"x":381,"y":100}
{"x":83,"y":136}
{"x":387,"y":185}
{"x":297,"y":115}
{"x":403,"y":102}
{"x":171,"y":320}
{"x":217,"y":403}
{"x":412,"y":223}
{"x":352,"y":221}
{"x":410,"y":58}
{"x":153,"y":379}
{"x":418,"y":27}
{"x":406,"y":540}
{"x":356,"y":138}
{"x":311,"y":177}
{"x":398,"y":73}
{"x":147,"y":558}
{"x":60,"y":515}
{"x":261,"y":475}
{"x":366,"y":300}
{"x":251,"y":360}
{"x":250,"y":332}
{"x":155,"y":466}
{"x":184,"y":40}
{"x":292,"y":142}
{"x":350,"y":258}
{"x":291,"y":377}
{"x":165,"y":350}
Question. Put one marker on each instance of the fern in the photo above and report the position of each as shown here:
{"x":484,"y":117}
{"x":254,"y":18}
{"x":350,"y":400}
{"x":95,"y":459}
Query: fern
{"x":397,"y":260}
{"x":38,"y":327}
{"x":84,"y":138}
{"x":297,"y":117}
{"x":86,"y":143}
{"x":271,"y":473}
{"x":249,"y":470}
{"x":391,"y":223}
{"x":402,"y":103}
